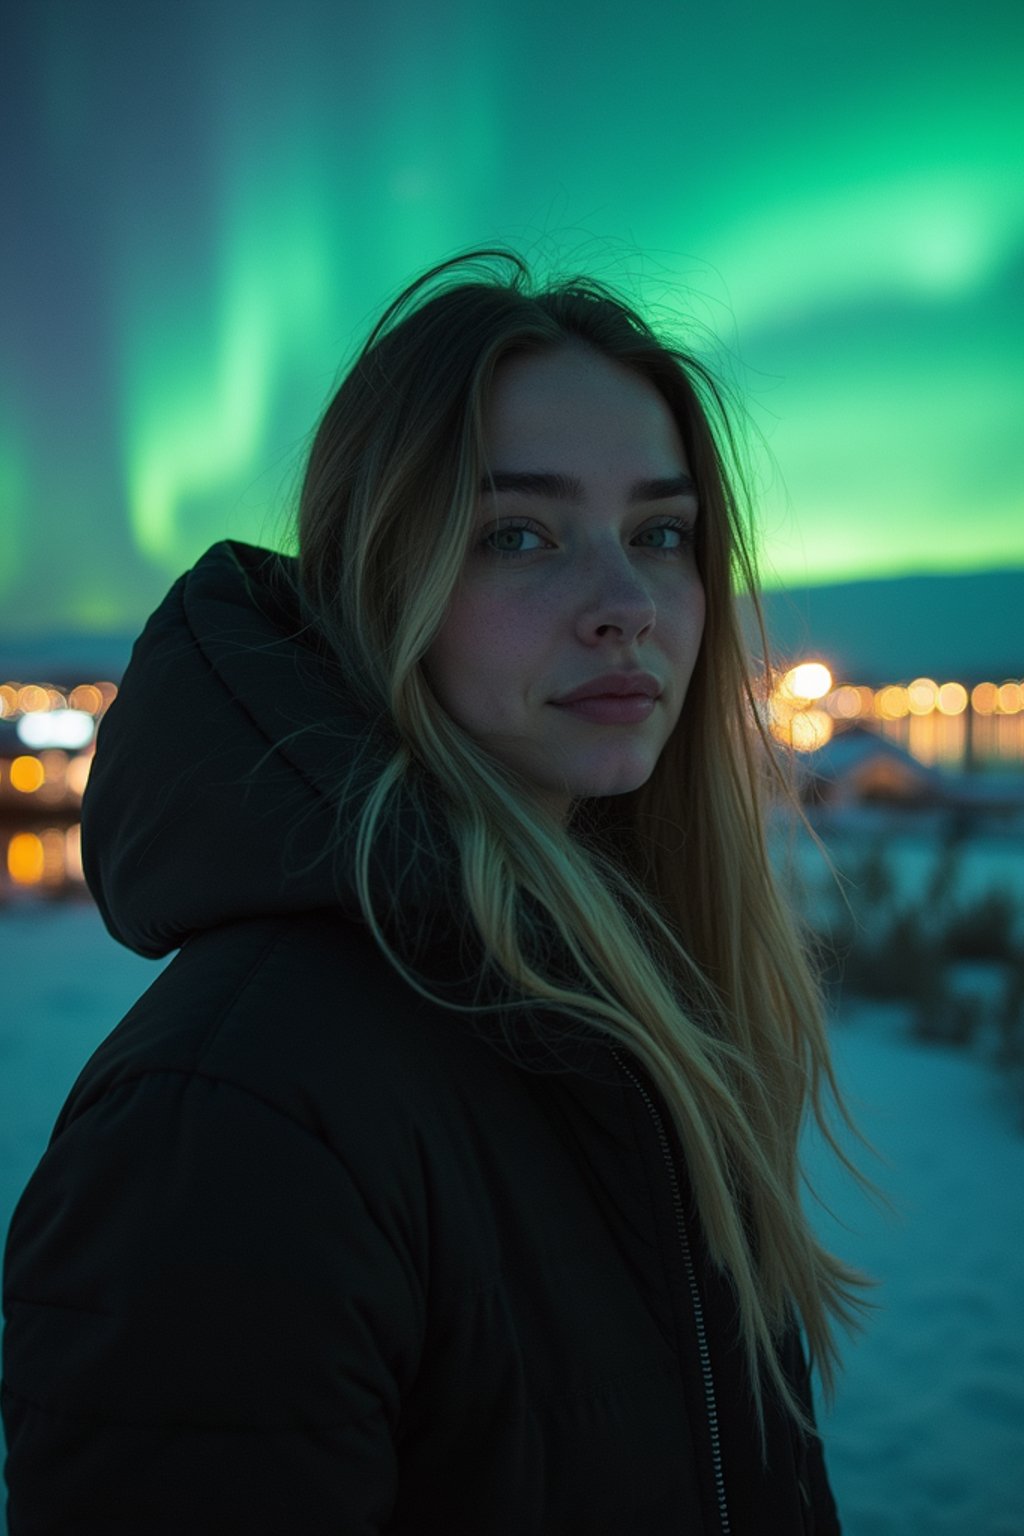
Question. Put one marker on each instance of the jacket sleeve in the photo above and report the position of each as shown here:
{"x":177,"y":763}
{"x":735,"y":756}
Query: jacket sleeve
{"x":823,"y":1504}
{"x":814,"y":1482}
{"x":208,"y":1328}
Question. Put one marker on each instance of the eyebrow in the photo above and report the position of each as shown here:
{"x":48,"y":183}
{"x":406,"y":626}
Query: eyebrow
{"x":569,"y":488}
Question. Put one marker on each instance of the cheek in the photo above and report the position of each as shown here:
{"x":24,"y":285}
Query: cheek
{"x":483,"y":629}
{"x":686,"y":628}
{"x":481,"y":652}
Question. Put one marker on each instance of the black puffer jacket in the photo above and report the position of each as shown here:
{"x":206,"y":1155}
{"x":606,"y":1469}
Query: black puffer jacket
{"x":309,"y":1254}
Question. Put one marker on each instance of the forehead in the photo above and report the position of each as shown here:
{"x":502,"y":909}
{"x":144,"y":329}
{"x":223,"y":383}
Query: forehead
{"x":572,"y":407}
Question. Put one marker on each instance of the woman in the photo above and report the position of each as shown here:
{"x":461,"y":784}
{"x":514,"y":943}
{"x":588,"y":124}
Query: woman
{"x":447,"y":1179}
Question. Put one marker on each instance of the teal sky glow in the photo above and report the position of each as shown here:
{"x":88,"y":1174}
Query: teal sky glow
{"x":212,"y":203}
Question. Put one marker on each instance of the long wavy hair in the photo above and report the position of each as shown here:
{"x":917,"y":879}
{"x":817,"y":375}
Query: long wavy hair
{"x":682,"y":948}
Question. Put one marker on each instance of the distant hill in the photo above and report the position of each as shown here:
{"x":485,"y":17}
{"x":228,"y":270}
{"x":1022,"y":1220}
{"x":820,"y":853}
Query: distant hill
{"x":64,"y":656}
{"x":968,"y":627}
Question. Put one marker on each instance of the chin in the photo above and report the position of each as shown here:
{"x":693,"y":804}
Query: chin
{"x":617,"y":779}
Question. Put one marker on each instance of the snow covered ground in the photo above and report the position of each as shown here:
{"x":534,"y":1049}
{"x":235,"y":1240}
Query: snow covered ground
{"x":927,"y":1436}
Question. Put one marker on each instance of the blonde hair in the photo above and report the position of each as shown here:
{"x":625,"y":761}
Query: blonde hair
{"x":682,"y":949}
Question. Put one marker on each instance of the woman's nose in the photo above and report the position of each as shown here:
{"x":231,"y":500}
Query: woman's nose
{"x":615,"y":598}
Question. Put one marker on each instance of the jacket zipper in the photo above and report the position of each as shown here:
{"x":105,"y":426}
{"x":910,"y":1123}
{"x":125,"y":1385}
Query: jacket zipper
{"x":691,"y":1277}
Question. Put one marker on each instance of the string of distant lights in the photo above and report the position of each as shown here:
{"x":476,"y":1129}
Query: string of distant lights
{"x":58,"y":729}
{"x":804,"y":709}
{"x":54,"y":733}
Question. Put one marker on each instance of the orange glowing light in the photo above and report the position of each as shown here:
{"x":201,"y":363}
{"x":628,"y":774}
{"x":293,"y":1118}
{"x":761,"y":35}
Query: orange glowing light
{"x":32,"y":699}
{"x":78,"y":773}
{"x":984,"y":698}
{"x":892,"y":703}
{"x":846,"y":703}
{"x":26,"y":858}
{"x":73,"y":853}
{"x":922,"y":696}
{"x":27,"y":774}
{"x":811,"y":729}
{"x":54,"y":845}
{"x":107,"y":692}
{"x":55,"y":772}
{"x":86,"y":698}
{"x":8,"y":701}
{"x":952,"y":699}
{"x":1010,"y":698}
{"x":810,"y":680}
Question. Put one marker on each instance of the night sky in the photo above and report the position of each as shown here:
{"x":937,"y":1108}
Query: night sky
{"x":206,"y":205}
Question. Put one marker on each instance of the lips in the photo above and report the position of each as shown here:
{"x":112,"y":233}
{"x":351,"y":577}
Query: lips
{"x":614,"y":685}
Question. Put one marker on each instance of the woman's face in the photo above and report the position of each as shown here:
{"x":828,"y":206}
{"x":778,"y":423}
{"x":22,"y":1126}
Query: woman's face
{"x":582,"y":572}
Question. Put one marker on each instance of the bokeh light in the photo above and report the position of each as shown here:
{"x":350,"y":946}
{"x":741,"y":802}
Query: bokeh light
{"x":33,"y":699}
{"x":87,"y":698}
{"x":846,"y":703}
{"x":922,"y":696}
{"x":71,"y":728}
{"x":73,"y":853}
{"x":809,"y":680}
{"x":952,"y":699}
{"x":811,"y":729}
{"x":78,"y":774}
{"x":27,"y":774}
{"x":26,"y":858}
{"x":892,"y":702}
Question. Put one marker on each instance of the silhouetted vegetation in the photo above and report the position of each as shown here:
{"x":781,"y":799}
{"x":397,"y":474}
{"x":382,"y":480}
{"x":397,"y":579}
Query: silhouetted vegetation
{"x":954,"y":958}
{"x":985,"y":930}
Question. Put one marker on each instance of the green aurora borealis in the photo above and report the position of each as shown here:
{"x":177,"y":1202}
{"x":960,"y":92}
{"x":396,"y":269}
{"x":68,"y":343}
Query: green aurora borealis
{"x":208,"y":205}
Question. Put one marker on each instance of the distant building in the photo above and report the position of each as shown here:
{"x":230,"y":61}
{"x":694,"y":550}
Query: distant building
{"x":859,"y":765}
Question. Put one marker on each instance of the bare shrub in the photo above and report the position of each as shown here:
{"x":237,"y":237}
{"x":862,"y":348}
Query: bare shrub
{"x":983,"y":931}
{"x":1010,"y":1019}
{"x":949,"y":1020}
{"x":872,"y":881}
{"x":903,"y":962}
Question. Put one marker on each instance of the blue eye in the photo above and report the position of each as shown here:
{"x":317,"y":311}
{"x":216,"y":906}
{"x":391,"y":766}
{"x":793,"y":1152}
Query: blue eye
{"x":682,"y":532}
{"x":672,"y":536}
{"x":509,"y":535}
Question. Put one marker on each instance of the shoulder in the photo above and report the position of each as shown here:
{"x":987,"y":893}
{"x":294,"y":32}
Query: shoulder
{"x":302,"y":1014}
{"x":224,"y":1199}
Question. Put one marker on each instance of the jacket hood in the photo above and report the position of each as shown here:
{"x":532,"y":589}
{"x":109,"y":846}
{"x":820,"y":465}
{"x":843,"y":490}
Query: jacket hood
{"x":215,"y":792}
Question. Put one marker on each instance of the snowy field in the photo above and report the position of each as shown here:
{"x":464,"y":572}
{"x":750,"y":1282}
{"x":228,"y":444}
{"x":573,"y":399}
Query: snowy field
{"x":927,"y":1435}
